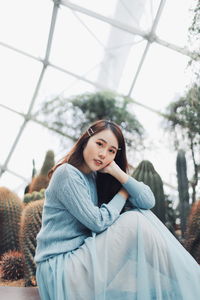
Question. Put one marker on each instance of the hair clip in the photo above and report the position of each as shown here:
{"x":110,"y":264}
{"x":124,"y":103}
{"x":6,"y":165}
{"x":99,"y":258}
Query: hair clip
{"x":90,"y":131}
{"x":119,"y":149}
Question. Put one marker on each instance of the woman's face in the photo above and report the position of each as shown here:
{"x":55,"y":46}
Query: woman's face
{"x":100,"y":150}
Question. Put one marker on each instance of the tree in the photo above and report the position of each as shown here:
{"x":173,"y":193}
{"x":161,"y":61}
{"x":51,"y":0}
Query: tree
{"x":72,"y":116}
{"x":183,"y":115}
{"x":194,"y":40}
{"x":184,"y":121}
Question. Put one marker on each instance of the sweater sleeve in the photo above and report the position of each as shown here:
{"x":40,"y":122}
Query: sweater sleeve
{"x":141,"y":195}
{"x":75,"y":197}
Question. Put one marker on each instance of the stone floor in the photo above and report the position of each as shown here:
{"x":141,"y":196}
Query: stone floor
{"x":19,"y":293}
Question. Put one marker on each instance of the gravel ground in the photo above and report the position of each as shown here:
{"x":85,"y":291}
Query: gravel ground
{"x":16,"y":283}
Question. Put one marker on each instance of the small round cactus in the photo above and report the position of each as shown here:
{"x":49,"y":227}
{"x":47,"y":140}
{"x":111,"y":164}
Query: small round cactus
{"x":10,"y":214}
{"x":12,"y":267}
{"x":29,"y":197}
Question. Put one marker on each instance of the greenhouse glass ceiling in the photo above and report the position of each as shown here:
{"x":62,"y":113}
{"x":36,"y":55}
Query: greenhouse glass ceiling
{"x":51,"y":48}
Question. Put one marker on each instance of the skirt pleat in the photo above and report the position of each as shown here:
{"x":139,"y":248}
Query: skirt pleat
{"x":135,"y":258}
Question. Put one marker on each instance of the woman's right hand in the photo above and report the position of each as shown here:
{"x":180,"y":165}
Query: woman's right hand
{"x":113,"y":169}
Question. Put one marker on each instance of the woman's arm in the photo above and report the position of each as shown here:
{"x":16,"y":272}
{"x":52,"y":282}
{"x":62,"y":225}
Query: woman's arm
{"x":140,"y":194}
{"x":74,"y":195}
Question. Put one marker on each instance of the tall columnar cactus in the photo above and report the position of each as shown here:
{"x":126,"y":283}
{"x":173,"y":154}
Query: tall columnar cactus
{"x":27,"y":187}
{"x":146,"y":173}
{"x":192,"y":235}
{"x":33,"y":169}
{"x":41,"y":181}
{"x":48,"y":163}
{"x":30,"y":225}
{"x":181,"y":168}
{"x":10,"y":214}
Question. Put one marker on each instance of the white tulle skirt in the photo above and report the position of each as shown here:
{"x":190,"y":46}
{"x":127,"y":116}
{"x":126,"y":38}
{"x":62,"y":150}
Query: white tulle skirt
{"x":135,"y":258}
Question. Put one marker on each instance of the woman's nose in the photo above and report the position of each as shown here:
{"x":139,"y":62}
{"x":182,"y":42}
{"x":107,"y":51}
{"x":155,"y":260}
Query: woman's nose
{"x":102,"y":154}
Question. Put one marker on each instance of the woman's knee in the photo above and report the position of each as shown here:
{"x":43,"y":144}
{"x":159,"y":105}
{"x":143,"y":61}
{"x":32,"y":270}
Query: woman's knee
{"x":129,"y":218}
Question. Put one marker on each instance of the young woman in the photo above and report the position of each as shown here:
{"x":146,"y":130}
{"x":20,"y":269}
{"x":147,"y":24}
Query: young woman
{"x":87,"y":249}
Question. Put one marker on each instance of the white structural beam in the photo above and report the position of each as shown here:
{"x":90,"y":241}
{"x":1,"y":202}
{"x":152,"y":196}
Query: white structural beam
{"x":139,"y":68}
{"x":26,"y":119}
{"x":27,"y":116}
{"x":114,"y":62}
{"x":157,"y":17}
{"x":79,"y":77}
{"x":12,"y":110}
{"x":152,"y":34}
{"x":182,"y":50}
{"x":15,"y":174}
{"x":46,"y":63}
{"x":52,"y":29}
{"x":4,"y":166}
{"x":104,"y":19}
{"x":20,"y":51}
{"x":129,"y":29}
{"x":34,"y":119}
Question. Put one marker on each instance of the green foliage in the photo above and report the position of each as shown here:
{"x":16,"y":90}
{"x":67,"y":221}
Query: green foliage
{"x":192,"y":237}
{"x":146,"y":173}
{"x":194,"y":40}
{"x":185,"y":114}
{"x":30,"y":225}
{"x":184,"y":206}
{"x":34,"y":196}
{"x":72,"y":116}
{"x":183,"y":121}
{"x":10,"y":213}
{"x":194,"y":29}
{"x":12,"y":267}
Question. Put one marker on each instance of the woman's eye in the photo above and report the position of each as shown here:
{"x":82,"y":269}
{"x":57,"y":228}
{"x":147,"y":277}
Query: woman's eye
{"x":99,"y":144}
{"x":112,"y":151}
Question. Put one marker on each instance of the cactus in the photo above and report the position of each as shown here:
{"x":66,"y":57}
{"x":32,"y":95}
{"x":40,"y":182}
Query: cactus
{"x":38,"y":183}
{"x":30,"y":225}
{"x":184,"y":206}
{"x":27,"y":188}
{"x":192,"y":235}
{"x":146,"y":173}
{"x":33,"y":169}
{"x":10,"y":213}
{"x":12,"y":267}
{"x":48,"y":163}
{"x":41,"y":181}
{"x":34,"y":196}
{"x":170,"y":216}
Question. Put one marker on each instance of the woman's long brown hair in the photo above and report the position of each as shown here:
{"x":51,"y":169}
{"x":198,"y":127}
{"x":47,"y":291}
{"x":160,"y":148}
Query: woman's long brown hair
{"x":107,"y":185}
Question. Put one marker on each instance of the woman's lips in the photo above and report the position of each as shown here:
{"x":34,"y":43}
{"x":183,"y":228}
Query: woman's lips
{"x":98,"y":162}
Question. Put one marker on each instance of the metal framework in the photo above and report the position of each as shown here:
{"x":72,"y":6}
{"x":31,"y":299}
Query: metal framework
{"x":150,"y":38}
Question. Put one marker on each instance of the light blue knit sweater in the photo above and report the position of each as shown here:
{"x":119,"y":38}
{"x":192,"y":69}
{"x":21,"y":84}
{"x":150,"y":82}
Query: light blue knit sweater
{"x":71,"y":214}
